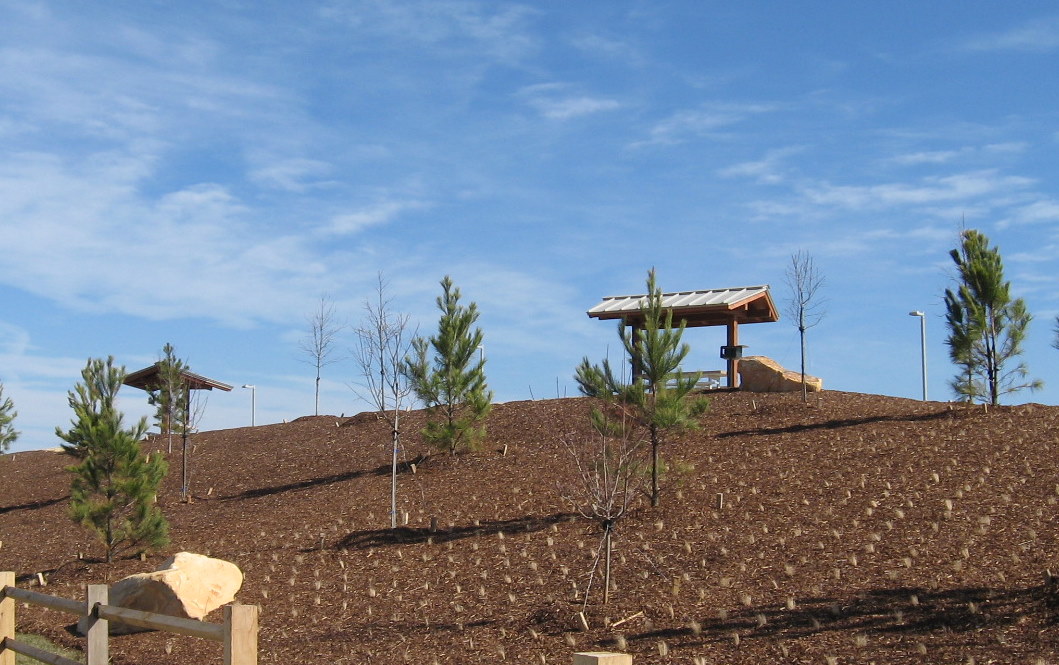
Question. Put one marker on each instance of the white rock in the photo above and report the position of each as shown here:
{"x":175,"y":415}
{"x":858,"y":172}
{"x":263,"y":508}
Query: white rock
{"x":187,"y":585}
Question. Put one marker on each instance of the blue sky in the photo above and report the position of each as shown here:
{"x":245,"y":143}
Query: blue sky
{"x":202,"y":173}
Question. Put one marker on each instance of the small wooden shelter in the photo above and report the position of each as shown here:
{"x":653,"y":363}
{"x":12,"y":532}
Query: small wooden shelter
{"x":149,"y":379}
{"x":709,"y":307}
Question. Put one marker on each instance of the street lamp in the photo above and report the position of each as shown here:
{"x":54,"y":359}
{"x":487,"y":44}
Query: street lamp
{"x":253,"y":403}
{"x":923,"y":345}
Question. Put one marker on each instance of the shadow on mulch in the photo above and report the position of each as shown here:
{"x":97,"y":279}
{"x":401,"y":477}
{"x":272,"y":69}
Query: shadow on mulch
{"x":405,"y":535}
{"x":33,"y":505}
{"x":836,"y":424}
{"x":893,"y":611}
{"x":383,"y":470}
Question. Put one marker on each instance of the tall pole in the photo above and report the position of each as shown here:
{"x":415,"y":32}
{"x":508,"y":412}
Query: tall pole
{"x":923,"y":346}
{"x":253,"y":404}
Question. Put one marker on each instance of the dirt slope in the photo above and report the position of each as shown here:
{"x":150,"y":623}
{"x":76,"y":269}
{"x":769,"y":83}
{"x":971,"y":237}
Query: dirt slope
{"x":863,"y":529}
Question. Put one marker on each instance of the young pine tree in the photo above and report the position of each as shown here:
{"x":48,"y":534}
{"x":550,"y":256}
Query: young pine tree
{"x":8,"y":435}
{"x":447,"y":373}
{"x":658,"y":397}
{"x":169,"y":395}
{"x":114,"y":486}
{"x":986,"y":325}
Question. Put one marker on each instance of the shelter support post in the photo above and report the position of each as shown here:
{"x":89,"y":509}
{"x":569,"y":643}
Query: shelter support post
{"x":733,"y":363}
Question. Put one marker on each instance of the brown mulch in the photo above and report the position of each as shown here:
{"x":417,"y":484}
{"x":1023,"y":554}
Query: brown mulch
{"x":858,"y":529}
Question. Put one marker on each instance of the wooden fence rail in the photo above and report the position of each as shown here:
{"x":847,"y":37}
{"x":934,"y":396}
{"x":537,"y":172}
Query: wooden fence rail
{"x":238,"y":633}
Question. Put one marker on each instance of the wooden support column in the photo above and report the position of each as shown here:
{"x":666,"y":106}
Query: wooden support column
{"x":637,"y":370}
{"x":733,"y":363}
{"x":240,"y":634}
{"x":7,"y":619}
{"x":97,"y":649}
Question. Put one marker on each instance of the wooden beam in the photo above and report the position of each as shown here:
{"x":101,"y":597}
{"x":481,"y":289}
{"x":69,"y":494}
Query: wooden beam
{"x":170,"y":624}
{"x":13,"y":646}
{"x":44,"y":600}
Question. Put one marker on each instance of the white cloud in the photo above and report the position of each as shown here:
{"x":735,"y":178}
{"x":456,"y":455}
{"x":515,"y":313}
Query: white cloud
{"x":1039,"y":36}
{"x":695,"y":123}
{"x":766,"y":170}
{"x":292,"y":175}
{"x":451,"y":26}
{"x":1042,"y":211}
{"x":555,"y":101}
{"x":933,"y":189}
{"x":377,"y":214}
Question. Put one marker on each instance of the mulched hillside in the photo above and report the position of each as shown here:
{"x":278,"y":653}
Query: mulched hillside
{"x":862,"y":529}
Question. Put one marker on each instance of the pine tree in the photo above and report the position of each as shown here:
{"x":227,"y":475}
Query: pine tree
{"x":169,"y":396}
{"x":90,"y":399}
{"x":114,"y":486}
{"x":986,"y":326}
{"x":8,"y":435}
{"x":450,"y":382}
{"x":657,"y":396}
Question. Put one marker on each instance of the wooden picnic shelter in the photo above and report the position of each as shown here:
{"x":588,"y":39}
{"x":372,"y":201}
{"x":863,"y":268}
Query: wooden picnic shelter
{"x":727,"y":307}
{"x":149,"y":379}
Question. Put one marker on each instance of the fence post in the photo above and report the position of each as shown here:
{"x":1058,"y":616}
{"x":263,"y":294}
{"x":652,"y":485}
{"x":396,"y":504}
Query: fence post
{"x":7,"y":619}
{"x":97,"y":650}
{"x":240,"y":635}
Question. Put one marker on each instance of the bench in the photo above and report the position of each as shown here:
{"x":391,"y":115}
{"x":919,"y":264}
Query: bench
{"x":708,"y":379}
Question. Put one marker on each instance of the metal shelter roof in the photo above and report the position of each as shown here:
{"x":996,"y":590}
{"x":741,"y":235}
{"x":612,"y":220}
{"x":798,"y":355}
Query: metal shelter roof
{"x":147,"y":379}
{"x":707,"y":307}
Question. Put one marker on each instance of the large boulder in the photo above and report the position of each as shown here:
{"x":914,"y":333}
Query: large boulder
{"x":760,"y":374}
{"x":187,"y":585}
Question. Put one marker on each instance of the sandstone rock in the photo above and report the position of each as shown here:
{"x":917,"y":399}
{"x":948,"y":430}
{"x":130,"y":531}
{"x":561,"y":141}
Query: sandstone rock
{"x":759,"y":374}
{"x":187,"y":585}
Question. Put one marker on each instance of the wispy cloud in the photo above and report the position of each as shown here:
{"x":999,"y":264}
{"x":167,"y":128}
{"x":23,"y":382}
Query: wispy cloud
{"x":934,"y":157}
{"x":557,"y":101}
{"x":1039,"y":36}
{"x":767,"y":170}
{"x":376,"y":214}
{"x":1037,"y":212}
{"x":933,"y":189}
{"x":705,"y":121}
{"x":292,"y":175}
{"x":454,"y":26}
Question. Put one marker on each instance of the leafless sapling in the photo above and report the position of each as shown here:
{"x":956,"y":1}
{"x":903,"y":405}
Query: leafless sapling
{"x":605,"y":480}
{"x":319,"y":344}
{"x":382,"y":344}
{"x":805,"y":307}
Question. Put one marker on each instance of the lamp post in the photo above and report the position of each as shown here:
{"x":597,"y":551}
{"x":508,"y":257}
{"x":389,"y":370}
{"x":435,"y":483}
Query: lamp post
{"x":253,"y":403}
{"x":923,"y":346}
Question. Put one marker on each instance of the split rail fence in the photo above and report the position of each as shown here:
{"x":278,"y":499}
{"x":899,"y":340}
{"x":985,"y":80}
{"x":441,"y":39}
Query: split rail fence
{"x":238,"y":633}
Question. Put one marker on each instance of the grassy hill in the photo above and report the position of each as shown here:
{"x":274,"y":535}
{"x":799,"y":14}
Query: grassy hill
{"x":861,"y":529}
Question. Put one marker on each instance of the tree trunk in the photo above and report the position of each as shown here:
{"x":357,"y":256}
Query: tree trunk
{"x":395,"y":441}
{"x":606,"y":565}
{"x":801,"y":333}
{"x":655,"y":499}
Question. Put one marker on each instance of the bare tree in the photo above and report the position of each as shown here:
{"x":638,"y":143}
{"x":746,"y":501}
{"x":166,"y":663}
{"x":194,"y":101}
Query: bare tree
{"x":605,"y":482}
{"x":382,"y":344}
{"x":804,"y":307}
{"x":319,"y":344}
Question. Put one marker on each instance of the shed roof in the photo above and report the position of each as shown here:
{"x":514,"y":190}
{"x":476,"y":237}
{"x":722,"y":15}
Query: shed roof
{"x":147,"y":379}
{"x":706,"y":307}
